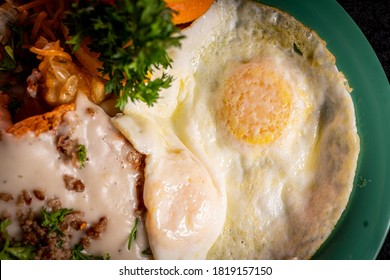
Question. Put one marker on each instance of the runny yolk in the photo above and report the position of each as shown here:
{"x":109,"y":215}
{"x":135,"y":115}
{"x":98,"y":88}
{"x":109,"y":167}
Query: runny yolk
{"x":256,"y":103}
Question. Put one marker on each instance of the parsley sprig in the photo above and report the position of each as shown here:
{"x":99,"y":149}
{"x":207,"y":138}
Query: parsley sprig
{"x":132,"y":38}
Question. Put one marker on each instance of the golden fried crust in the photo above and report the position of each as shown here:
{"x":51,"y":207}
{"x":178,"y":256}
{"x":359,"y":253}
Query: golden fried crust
{"x":41,"y":123}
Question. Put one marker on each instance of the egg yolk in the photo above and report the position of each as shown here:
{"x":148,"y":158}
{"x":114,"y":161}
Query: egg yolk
{"x":256,"y":103}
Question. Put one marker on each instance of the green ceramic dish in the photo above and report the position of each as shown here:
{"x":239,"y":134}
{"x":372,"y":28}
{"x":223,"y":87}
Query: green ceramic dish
{"x":361,"y":231}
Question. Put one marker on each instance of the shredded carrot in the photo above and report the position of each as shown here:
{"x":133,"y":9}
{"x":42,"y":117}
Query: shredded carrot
{"x":44,"y":53}
{"x":44,"y":16}
{"x":83,"y":225}
{"x":23,"y":16}
{"x":37,"y":24}
{"x":49,"y":22}
{"x":30,"y":5}
{"x":60,"y":10}
{"x":48,"y":32}
{"x":44,"y":67}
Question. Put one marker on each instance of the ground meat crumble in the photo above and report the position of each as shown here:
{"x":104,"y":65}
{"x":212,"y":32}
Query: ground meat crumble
{"x":73,"y":184}
{"x":24,"y":198}
{"x":53,"y":241}
{"x":68,"y":150}
{"x":6,"y":196}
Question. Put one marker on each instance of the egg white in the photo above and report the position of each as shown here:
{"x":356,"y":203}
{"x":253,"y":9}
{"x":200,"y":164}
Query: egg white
{"x":200,"y":214}
{"x":285,"y":175}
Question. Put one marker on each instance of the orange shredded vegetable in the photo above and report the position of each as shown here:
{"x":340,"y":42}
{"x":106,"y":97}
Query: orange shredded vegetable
{"x":30,"y":5}
{"x":37,"y":24}
{"x":51,"y":52}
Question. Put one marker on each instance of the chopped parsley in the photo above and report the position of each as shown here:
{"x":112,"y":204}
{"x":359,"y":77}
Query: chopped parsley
{"x":133,"y":234}
{"x":82,"y":155}
{"x":78,"y":254}
{"x":13,"y":250}
{"x":132,"y":38}
{"x":52,"y":220}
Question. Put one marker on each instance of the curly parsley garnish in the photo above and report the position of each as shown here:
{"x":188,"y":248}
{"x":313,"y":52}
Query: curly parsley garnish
{"x":132,"y":38}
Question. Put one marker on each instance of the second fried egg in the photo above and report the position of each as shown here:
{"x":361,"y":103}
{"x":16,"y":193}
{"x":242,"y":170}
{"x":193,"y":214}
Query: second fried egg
{"x":258,"y":101}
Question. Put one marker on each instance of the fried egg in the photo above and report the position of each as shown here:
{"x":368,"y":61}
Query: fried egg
{"x":262,"y":122}
{"x":185,"y":209}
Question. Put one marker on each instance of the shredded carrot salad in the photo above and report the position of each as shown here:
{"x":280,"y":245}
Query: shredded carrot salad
{"x":45,"y":18}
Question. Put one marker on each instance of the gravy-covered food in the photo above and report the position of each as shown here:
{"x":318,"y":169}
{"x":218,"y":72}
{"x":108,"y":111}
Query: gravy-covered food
{"x":85,"y":165}
{"x":247,"y":150}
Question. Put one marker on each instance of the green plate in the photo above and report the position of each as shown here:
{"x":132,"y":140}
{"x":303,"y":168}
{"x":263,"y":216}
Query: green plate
{"x":362,"y":228}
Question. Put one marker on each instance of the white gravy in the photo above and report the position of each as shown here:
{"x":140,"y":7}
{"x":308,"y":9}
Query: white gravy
{"x":33,"y":162}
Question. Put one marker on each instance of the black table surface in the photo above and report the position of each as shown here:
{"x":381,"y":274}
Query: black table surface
{"x":373,"y":18}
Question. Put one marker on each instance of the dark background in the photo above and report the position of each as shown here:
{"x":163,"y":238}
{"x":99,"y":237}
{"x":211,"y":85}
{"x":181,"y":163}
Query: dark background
{"x":373,"y":18}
